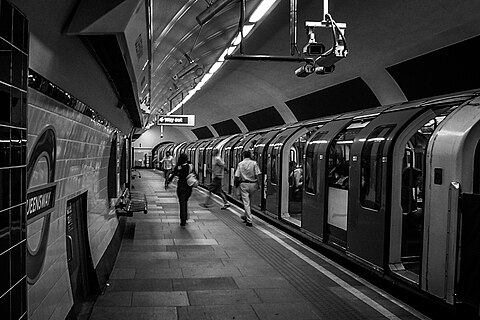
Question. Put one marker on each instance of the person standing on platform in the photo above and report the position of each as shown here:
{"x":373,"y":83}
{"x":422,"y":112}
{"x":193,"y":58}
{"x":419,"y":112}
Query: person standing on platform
{"x":247,"y":174}
{"x":184,"y":191}
{"x":167,"y":162}
{"x":215,"y":186}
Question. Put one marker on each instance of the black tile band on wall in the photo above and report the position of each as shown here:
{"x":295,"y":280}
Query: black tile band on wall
{"x":41,"y":84}
{"x":450,"y":69}
{"x":265,"y":118}
{"x":348,"y":96}
{"x":13,"y":150}
{"x":203,"y":133}
{"x":226,"y":127}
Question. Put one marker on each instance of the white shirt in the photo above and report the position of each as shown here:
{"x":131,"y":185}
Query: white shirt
{"x":247,"y":170}
{"x":167,"y":162}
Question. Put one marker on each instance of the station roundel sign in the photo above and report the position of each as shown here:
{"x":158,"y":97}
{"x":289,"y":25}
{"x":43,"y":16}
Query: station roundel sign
{"x":40,"y":200}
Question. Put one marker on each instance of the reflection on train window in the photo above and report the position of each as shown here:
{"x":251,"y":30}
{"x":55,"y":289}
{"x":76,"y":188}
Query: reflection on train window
{"x":338,"y":158}
{"x":311,"y":162}
{"x":372,"y":167}
{"x":273,"y":168}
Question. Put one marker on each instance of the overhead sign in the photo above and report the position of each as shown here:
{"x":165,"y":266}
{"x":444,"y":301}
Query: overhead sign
{"x":182,"y":120}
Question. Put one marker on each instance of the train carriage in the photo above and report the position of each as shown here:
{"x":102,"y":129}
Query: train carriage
{"x":384,"y":187}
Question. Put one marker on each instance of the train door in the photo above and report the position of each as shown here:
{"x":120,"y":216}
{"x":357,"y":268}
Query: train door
{"x":337,"y":179}
{"x":291,"y":195}
{"x":83,"y":279}
{"x":201,"y":160}
{"x":277,"y":171}
{"x":220,"y":145}
{"x":469,"y":269}
{"x":316,"y":184}
{"x":208,"y":162}
{"x":246,"y":143}
{"x":177,"y":149}
{"x":407,"y":185}
{"x":193,"y":154}
{"x":450,"y":247}
{"x":263,"y":159}
{"x":229,"y":154}
{"x":242,"y":145}
{"x":370,"y":169}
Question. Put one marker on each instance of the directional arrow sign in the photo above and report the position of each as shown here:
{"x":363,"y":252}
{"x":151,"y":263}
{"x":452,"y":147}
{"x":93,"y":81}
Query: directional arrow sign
{"x":183,"y":120}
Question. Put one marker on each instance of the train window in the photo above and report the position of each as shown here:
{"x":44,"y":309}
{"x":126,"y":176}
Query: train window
{"x":273,"y":168}
{"x":311,"y":163}
{"x":372,"y":167}
{"x":339,"y":158}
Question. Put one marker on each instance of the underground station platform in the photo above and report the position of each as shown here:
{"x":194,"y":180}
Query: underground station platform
{"x":218,"y":268}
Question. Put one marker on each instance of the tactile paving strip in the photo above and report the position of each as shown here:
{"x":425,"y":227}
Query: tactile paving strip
{"x":328,"y":304}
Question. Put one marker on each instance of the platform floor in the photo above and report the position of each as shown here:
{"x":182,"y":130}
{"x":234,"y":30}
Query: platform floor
{"x":217,"y":268}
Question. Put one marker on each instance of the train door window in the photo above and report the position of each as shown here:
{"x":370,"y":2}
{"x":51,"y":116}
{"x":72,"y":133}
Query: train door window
{"x":339,"y":156}
{"x":311,"y":172}
{"x":372,"y":168}
{"x":338,"y":170}
{"x":273,"y":168}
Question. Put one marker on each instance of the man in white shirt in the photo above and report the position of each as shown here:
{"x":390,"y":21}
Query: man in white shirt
{"x":247,"y":172}
{"x":215,"y":186}
{"x":167,"y":162}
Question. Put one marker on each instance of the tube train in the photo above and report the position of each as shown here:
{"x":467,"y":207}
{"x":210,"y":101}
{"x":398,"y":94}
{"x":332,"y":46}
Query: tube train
{"x":395,"y":188}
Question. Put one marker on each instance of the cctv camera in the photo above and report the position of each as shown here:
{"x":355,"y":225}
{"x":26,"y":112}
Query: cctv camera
{"x":324,"y":69}
{"x":314,"y":48}
{"x":305,"y":70}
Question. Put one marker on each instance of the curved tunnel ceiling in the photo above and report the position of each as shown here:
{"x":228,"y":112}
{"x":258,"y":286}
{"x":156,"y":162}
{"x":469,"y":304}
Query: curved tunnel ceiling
{"x":379,"y":35}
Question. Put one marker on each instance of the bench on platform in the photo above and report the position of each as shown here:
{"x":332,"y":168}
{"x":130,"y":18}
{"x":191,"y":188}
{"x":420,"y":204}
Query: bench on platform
{"x":130,"y":202}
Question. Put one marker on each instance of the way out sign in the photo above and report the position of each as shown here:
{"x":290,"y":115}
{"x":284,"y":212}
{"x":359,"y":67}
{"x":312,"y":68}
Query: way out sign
{"x":183,"y":120}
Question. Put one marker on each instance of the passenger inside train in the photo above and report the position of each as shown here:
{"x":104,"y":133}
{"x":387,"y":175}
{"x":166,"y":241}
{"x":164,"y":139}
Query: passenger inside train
{"x":338,"y":170}
{"x":295,"y":180}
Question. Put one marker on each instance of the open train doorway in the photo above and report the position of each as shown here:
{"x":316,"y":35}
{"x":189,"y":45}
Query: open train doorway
{"x":83,"y":279}
{"x":410,"y":170}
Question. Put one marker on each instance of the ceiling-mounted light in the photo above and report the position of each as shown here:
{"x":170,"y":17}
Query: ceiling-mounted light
{"x":206,"y":77}
{"x":215,"y":67}
{"x":261,"y":10}
{"x":231,"y":49}
{"x":246,"y":30}
{"x":222,"y":56}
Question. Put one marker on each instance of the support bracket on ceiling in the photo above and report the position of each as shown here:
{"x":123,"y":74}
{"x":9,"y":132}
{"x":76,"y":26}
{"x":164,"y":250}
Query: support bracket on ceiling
{"x":317,"y":59}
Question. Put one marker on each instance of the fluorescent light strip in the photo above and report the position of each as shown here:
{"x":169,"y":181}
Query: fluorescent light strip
{"x":215,"y":67}
{"x":261,"y":10}
{"x":231,"y":49}
{"x":222,"y":56}
{"x":246,"y":30}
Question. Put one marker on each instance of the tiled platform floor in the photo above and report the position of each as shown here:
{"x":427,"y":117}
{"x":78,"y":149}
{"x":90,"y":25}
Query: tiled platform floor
{"x":217,"y":268}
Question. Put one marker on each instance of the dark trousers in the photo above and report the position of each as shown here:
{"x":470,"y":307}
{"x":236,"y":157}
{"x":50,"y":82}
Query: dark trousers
{"x":183,"y":195}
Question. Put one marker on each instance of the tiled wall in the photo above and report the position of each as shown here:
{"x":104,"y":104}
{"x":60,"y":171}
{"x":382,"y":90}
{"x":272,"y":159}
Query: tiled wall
{"x":83,"y":150}
{"x":13,"y":71}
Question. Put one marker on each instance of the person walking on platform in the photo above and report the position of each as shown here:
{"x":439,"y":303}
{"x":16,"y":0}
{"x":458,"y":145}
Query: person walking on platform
{"x":247,"y":174}
{"x":215,"y":186}
{"x":167,"y":163}
{"x":184,"y":191}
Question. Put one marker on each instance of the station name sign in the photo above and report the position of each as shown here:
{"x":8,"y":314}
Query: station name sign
{"x":40,"y":200}
{"x":181,"y":120}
